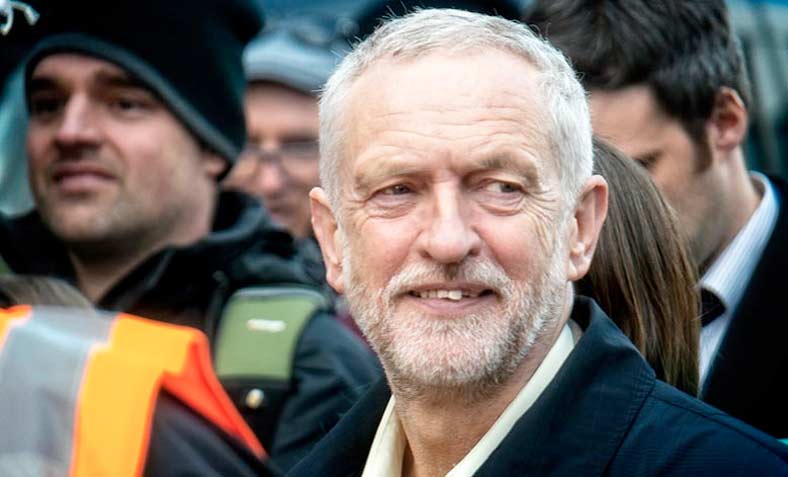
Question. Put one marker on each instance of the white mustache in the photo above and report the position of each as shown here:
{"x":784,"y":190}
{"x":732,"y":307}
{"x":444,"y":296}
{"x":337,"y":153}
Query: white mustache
{"x":483,"y":272}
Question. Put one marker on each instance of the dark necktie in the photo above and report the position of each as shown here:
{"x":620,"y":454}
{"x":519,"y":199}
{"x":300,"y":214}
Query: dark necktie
{"x":710,"y":306}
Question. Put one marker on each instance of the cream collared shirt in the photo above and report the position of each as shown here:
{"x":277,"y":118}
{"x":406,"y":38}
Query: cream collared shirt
{"x":388,"y":447}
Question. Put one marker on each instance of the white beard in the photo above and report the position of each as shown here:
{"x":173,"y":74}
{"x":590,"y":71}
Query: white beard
{"x":471,"y":353}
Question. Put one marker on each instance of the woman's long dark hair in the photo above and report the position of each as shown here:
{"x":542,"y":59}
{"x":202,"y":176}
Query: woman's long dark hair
{"x":642,"y":275}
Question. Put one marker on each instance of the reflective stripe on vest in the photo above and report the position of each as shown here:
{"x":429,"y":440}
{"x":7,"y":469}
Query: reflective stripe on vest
{"x":78,"y":390}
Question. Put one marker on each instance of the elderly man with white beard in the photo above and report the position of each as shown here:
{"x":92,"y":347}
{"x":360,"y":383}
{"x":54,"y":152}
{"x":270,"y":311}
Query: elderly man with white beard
{"x":457,"y":208}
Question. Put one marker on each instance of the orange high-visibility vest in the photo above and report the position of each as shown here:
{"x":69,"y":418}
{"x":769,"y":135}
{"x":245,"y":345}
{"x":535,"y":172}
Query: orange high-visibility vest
{"x":78,"y":389}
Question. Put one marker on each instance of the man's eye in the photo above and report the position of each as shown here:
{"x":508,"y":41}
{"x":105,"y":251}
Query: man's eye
{"x":308,"y":149}
{"x":45,"y":106}
{"x":500,"y":187}
{"x":397,"y":189}
{"x":127,"y":104}
{"x":647,"y":162}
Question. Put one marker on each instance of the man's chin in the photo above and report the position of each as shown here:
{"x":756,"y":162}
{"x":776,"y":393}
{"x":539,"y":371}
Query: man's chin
{"x":446,"y":384}
{"x":76,"y":231}
{"x":439,"y":368}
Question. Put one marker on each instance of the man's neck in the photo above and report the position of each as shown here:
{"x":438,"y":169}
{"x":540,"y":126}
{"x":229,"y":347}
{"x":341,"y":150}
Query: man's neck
{"x":96,"y":275}
{"x":100,"y":266}
{"x":442,"y":429}
{"x":742,"y":199}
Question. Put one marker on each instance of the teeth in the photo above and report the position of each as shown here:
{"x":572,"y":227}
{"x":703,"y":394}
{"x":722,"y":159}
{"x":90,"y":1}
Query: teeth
{"x":454,"y":295}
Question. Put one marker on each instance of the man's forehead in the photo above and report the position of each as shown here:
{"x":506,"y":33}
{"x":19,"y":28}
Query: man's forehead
{"x":66,"y":66}
{"x":448,"y":97}
{"x":628,"y":117}
{"x":479,"y":73}
{"x":271,"y":87}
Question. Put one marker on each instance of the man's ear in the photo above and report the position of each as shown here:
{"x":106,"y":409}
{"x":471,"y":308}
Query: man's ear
{"x":727,"y":125}
{"x":213,"y":164}
{"x":586,"y":224}
{"x":324,"y":224}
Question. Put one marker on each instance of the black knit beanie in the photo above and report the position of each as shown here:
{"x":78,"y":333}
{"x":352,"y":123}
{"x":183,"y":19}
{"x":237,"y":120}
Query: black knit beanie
{"x":186,"y":51}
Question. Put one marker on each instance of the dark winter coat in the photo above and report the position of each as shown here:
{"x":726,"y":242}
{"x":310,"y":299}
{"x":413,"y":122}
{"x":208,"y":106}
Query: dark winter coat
{"x":190,"y":285}
{"x":604,"y":413}
{"x":748,"y":374}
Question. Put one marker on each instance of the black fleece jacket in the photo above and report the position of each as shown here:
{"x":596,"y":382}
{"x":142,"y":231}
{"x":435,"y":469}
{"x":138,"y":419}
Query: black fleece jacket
{"x":190,"y":285}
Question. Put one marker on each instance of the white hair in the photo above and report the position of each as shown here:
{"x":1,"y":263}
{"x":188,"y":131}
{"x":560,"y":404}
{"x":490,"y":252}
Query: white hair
{"x":455,"y":31}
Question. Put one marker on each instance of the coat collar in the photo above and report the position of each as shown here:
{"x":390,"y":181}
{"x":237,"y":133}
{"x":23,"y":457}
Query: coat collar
{"x":582,"y":417}
{"x":750,"y":358}
{"x":575,"y":426}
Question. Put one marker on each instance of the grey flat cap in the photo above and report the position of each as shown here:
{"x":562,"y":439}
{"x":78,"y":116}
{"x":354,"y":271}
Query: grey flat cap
{"x":300,"y":54}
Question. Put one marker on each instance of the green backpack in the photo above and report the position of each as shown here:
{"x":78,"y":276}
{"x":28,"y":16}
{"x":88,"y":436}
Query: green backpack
{"x":255,"y":347}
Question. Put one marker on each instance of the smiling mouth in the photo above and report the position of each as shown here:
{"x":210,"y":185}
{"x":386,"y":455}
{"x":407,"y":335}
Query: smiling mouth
{"x":452,"y":295}
{"x":64,"y":176}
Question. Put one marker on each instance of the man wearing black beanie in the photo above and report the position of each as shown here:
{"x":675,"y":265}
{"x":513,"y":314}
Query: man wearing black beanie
{"x":135,"y":114}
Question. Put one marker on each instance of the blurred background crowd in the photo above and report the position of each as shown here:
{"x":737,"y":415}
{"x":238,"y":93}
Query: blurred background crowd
{"x":254,"y":254}
{"x":310,"y":36}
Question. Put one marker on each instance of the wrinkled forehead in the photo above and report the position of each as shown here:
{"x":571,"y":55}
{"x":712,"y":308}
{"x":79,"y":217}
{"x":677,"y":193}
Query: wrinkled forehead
{"x":487,"y":95}
{"x":448,"y":80}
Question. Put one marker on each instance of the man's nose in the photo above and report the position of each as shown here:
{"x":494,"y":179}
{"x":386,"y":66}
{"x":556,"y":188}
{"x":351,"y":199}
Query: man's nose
{"x":451,"y":235}
{"x":271,"y":179}
{"x":78,"y":124}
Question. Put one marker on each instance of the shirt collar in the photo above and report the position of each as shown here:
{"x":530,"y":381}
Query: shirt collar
{"x":388,"y":447}
{"x":729,"y":275}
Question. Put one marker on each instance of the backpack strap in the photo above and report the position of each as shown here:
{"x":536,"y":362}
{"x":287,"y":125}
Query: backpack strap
{"x":255,"y":347}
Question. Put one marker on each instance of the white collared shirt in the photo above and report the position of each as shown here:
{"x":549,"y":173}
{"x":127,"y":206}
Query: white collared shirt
{"x":730,"y":274}
{"x":388,"y":447}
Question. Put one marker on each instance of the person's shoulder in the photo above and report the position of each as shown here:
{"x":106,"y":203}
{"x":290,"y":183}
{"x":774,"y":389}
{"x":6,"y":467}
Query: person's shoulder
{"x":668,"y":397}
{"x":28,"y":246}
{"x":676,"y":433}
{"x":331,"y":371}
{"x":327,"y":343}
{"x":182,"y":442}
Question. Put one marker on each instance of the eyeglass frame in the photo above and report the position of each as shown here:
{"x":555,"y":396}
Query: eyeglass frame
{"x":293,"y":153}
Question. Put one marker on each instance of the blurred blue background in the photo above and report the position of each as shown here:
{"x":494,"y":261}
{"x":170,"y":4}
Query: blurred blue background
{"x":762,"y":26}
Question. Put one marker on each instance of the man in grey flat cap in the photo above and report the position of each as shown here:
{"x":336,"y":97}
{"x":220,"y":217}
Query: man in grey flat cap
{"x":286,"y":67}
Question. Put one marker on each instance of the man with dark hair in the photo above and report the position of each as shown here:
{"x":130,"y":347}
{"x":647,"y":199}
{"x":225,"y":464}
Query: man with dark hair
{"x":135,"y":114}
{"x":668,"y":86}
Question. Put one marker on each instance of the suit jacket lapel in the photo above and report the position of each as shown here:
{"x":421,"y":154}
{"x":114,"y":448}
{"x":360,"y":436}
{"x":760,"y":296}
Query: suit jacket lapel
{"x":579,"y":422}
{"x":343,"y":452}
{"x":750,"y":363}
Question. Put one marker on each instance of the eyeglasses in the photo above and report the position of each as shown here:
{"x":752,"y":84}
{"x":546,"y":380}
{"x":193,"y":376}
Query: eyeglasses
{"x":291,"y":157}
{"x":307,"y":150}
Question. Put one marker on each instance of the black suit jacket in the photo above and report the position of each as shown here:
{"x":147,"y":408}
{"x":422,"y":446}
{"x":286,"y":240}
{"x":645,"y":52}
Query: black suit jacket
{"x":603,"y":414}
{"x":749,"y":375}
